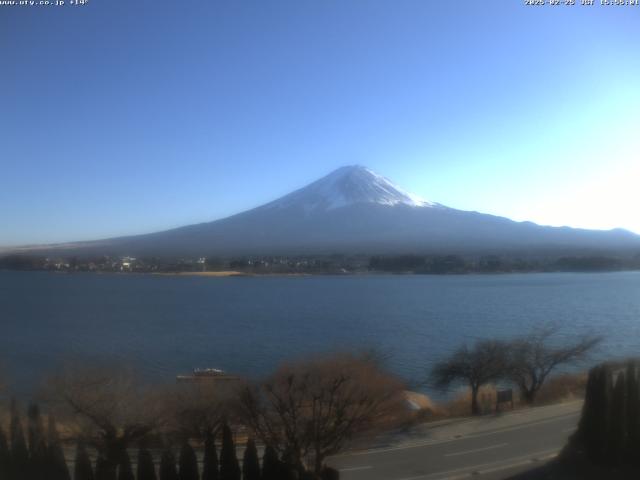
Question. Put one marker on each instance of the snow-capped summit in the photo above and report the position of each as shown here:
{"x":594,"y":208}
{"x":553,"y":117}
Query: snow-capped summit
{"x":349,"y":185}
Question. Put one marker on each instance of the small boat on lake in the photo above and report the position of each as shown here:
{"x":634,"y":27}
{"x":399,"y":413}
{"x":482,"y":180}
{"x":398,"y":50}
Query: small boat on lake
{"x":207,"y":375}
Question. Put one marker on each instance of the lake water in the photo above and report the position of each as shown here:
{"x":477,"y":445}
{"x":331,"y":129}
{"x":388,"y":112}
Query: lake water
{"x":165,"y":325}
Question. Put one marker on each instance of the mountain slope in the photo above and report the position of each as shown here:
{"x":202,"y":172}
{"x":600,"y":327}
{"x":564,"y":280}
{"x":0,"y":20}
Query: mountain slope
{"x":354,"y":210}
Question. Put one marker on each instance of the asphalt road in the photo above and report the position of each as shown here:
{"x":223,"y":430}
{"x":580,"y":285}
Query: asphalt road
{"x":492,"y":453}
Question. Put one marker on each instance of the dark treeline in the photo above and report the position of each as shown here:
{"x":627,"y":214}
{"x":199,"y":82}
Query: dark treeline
{"x":39,"y":455}
{"x":36,"y":455}
{"x":456,"y":264}
{"x":316,"y":264}
{"x":332,"y":264}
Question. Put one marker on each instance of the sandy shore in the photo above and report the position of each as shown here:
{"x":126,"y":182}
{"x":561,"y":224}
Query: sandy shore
{"x":231,"y":273}
{"x":228,"y":273}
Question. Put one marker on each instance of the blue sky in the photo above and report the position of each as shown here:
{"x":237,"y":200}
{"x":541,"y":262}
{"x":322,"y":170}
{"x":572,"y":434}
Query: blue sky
{"x":123,"y":117}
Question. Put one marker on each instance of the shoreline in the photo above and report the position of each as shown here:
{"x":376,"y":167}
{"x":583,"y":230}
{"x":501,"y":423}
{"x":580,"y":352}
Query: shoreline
{"x":236,"y":273}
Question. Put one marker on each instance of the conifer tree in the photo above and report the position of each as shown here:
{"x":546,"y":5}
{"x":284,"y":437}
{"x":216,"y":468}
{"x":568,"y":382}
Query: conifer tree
{"x":37,"y":445}
{"x":618,"y":421}
{"x":57,"y":468}
{"x":329,"y":473}
{"x":210,"y":464}
{"x":82,"y":469}
{"x":100,"y":472}
{"x":146,"y":469}
{"x":125,"y":470}
{"x":104,"y":469}
{"x":229,"y":467}
{"x":5,"y":455}
{"x":270,"y":464}
{"x":289,"y":472}
{"x":168,"y":469}
{"x":19,"y":451}
{"x":585,"y":435}
{"x":633,"y":413}
{"x":601,"y":419}
{"x":188,"y":463}
{"x":250,"y":462}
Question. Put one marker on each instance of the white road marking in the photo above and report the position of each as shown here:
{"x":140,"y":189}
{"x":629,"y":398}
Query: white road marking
{"x":567,"y":430}
{"x":491,"y":447}
{"x":353,"y":469}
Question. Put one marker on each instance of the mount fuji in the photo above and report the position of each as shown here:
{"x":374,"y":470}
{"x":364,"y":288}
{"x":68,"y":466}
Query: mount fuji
{"x":354,"y":210}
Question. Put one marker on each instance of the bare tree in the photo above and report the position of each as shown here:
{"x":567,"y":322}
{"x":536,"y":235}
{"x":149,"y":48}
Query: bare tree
{"x":312,"y":408}
{"x":198,"y":410}
{"x":108,"y":406}
{"x":475,"y":367}
{"x":533,"y":357}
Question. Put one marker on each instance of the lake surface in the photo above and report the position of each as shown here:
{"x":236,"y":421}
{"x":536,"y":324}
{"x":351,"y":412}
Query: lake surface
{"x":165,"y":325}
